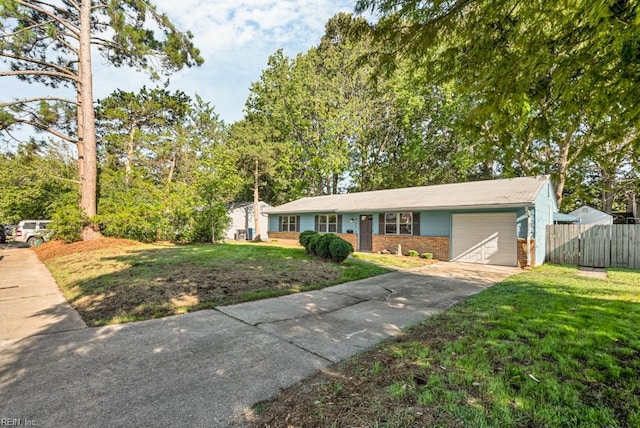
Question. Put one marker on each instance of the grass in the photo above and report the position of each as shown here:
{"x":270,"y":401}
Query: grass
{"x":546,"y":348}
{"x":393,"y":261}
{"x":132,"y":282}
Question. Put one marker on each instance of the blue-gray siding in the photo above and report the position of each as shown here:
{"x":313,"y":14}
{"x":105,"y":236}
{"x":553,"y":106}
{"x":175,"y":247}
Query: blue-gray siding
{"x":545,"y":206}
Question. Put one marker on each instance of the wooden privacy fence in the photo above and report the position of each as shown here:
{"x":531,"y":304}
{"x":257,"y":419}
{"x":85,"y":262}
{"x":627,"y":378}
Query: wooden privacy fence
{"x":616,"y":245}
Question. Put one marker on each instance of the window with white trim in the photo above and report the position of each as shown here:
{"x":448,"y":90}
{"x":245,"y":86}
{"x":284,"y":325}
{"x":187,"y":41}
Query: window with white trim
{"x":328,"y":223}
{"x":288,"y":223}
{"x":398,"y":223}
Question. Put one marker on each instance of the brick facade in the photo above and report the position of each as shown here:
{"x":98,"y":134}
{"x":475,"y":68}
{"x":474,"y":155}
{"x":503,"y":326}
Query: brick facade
{"x":522,"y":252}
{"x":436,"y":245}
{"x":352,"y":238}
{"x":284,"y":235}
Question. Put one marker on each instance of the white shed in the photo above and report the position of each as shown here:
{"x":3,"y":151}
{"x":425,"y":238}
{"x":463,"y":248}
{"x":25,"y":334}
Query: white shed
{"x":588,"y":215}
{"x":242,"y":224}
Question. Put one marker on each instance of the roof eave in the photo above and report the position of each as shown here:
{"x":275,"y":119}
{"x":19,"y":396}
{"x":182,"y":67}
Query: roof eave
{"x":400,"y":209}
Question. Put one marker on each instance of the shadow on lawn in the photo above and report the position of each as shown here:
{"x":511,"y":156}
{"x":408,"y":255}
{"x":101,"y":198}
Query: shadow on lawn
{"x":519,"y":354}
{"x":159,"y":282}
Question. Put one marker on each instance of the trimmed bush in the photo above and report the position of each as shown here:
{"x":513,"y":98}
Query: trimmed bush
{"x":312,"y":244}
{"x":413,"y":253}
{"x":322,"y":248}
{"x":305,"y":237}
{"x":340,"y":249}
{"x":426,"y":255}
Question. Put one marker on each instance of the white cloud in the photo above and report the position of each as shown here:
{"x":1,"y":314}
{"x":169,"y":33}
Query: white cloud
{"x":235,"y":38}
{"x":228,"y":25}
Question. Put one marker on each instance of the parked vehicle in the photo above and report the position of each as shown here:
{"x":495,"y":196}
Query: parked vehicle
{"x":3,"y":235}
{"x":30,"y":231}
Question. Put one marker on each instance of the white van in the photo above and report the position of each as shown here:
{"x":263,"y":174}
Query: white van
{"x":30,"y":230}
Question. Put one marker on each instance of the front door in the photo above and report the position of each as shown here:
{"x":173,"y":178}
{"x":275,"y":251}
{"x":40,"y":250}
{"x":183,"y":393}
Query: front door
{"x":366,"y":232}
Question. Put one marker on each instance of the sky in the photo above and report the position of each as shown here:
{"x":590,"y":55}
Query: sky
{"x":235,"y":37}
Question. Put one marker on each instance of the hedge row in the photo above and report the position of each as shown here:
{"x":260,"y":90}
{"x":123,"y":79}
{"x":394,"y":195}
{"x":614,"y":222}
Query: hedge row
{"x":326,"y":246}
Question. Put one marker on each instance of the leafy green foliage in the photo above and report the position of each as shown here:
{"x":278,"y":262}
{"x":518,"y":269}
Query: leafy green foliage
{"x":67,"y":218}
{"x":34,"y":181}
{"x":339,"y":249}
{"x":326,"y":246}
{"x":305,"y":236}
{"x":542,"y":91}
{"x":412,"y":253}
{"x":313,"y":244}
{"x":168,"y":174}
{"x":427,"y":256}
{"x":322,"y":246}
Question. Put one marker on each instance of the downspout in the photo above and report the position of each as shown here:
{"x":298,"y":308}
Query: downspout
{"x":528,"y":212}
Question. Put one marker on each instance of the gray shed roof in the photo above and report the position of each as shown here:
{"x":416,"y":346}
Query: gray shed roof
{"x":589,"y":215}
{"x":503,"y":193}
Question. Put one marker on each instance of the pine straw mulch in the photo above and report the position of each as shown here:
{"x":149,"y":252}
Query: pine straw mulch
{"x":54,"y":249}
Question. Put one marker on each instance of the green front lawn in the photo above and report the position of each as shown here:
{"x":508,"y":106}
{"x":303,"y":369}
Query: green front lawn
{"x":546,"y":348}
{"x":131,"y":282}
{"x":394,"y":261}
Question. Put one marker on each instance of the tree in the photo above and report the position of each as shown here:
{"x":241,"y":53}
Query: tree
{"x":258,"y":151}
{"x":143,"y":127}
{"x":173,"y":180}
{"x":51,"y":42}
{"x":541,"y":80}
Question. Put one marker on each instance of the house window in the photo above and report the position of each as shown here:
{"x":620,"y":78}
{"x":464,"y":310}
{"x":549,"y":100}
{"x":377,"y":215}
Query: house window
{"x":288,"y":223}
{"x":398,"y":223}
{"x":328,"y":223}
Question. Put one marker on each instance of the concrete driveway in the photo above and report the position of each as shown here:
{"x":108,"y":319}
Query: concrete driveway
{"x":206,"y":368}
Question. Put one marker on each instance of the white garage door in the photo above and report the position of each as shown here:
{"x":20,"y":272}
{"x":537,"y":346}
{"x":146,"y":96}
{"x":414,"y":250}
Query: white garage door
{"x":485,"y":238}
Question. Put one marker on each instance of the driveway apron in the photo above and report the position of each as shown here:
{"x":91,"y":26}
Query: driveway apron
{"x":206,"y":368}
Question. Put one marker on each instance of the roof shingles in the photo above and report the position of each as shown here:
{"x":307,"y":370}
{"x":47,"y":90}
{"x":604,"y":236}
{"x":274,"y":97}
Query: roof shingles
{"x":510,"y":192}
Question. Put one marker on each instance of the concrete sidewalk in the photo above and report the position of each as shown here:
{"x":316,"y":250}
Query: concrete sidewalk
{"x":30,"y":301}
{"x":206,"y":368}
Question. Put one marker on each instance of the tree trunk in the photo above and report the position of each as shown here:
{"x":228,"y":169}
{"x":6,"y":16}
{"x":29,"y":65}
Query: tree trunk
{"x":172,"y":167}
{"x":256,"y":203}
{"x":88,"y":199}
{"x":128,"y":160}
{"x":79,"y":144}
{"x":563,"y":164}
{"x":608,"y":183}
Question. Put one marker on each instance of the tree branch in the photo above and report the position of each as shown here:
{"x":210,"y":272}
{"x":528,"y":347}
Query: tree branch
{"x":15,"y":33}
{"x":65,"y":23}
{"x":42,"y":63}
{"x":46,"y":129}
{"x":39,"y":73}
{"x":30,"y":100}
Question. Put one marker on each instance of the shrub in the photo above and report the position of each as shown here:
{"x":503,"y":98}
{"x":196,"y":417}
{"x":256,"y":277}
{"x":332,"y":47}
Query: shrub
{"x":313,"y":243}
{"x":305,"y":237}
{"x":340,"y":249}
{"x":67,"y":219}
{"x":426,"y":255}
{"x":413,"y":253}
{"x":322,"y":248}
